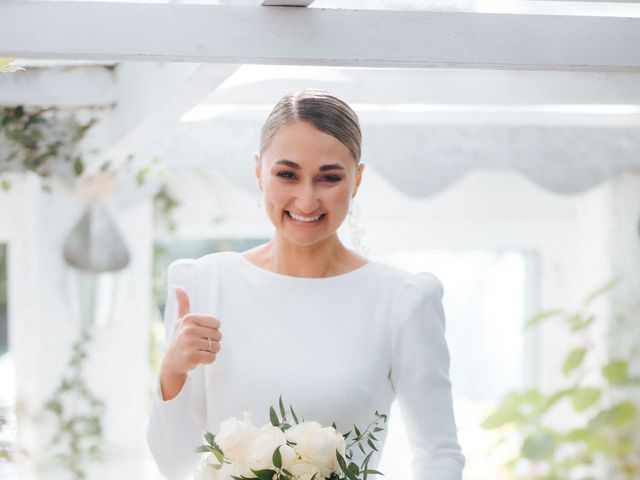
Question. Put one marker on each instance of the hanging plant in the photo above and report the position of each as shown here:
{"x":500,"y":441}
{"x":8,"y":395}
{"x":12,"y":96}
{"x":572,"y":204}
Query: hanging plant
{"x":47,"y":142}
{"x":42,"y":140}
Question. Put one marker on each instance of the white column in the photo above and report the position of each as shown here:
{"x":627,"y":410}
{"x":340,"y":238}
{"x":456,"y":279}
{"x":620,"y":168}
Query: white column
{"x":43,"y":327}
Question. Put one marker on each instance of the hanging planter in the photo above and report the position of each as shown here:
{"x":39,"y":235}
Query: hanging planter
{"x":94,"y":245}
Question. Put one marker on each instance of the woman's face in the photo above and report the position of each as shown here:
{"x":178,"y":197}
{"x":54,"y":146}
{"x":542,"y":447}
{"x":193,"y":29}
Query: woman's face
{"x":308,"y":173}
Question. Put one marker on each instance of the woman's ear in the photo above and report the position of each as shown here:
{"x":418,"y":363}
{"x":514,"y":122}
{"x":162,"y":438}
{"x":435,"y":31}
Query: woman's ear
{"x":359,"y":170}
{"x":258,"y":169}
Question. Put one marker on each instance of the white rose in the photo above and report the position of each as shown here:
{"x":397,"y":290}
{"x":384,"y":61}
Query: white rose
{"x":235,"y":437}
{"x":260,"y":452}
{"x":305,"y":471}
{"x":228,"y":471}
{"x":289,"y":456}
{"x":317,"y":445}
{"x":206,"y":469}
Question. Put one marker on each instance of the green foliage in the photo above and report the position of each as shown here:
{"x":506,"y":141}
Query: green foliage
{"x":47,"y":141}
{"x":78,"y":415}
{"x":164,"y":206}
{"x":41,"y":140}
{"x":597,"y":391}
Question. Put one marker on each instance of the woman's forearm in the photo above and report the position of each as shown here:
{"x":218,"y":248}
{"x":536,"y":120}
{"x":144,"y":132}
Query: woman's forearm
{"x":171,"y":384}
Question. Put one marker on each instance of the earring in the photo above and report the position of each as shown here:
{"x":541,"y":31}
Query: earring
{"x":356,"y":230}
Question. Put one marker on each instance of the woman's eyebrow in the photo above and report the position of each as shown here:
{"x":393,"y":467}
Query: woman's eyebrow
{"x":323,"y":168}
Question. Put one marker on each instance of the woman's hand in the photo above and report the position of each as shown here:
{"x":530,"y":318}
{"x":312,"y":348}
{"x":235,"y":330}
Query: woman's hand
{"x":189,"y":346}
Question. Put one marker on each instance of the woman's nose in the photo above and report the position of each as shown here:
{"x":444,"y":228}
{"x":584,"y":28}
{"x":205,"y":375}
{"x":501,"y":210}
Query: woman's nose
{"x":307,"y":199}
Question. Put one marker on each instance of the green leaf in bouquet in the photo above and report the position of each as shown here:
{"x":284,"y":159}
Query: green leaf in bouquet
{"x":265,"y":474}
{"x":371,"y":472}
{"x":372,"y":437}
{"x":573,"y":360}
{"x":204,"y":449}
{"x":295,"y":418}
{"x":277,"y":458}
{"x":354,"y":469}
{"x":341,"y":462}
{"x":358,"y":434}
{"x":347,"y":470}
{"x":372,"y":445}
{"x":210,"y":437}
{"x":274,"y":417}
{"x":616,"y":371}
{"x":283,"y":413}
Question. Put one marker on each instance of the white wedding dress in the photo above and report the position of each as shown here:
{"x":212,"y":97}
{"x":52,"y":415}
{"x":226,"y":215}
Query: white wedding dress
{"x":336,"y":348}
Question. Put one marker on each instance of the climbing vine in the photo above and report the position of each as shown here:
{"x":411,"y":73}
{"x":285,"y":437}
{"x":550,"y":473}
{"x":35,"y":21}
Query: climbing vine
{"x":79,"y":428}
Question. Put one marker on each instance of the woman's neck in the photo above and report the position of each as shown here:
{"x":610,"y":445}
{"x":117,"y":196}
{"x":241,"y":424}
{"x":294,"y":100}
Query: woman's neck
{"x":321,"y":260}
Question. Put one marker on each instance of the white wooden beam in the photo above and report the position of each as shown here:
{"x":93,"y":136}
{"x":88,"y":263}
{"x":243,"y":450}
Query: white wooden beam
{"x":152,"y":98}
{"x":91,"y":85}
{"x":69,"y":87}
{"x":316,"y":36}
{"x":286,"y":3}
{"x":254,"y":84}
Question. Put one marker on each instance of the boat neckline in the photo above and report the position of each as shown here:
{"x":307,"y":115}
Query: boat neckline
{"x":249,"y":264}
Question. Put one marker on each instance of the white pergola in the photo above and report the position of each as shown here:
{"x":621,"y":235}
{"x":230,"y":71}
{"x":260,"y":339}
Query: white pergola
{"x":471,"y":88}
{"x":547,"y":93}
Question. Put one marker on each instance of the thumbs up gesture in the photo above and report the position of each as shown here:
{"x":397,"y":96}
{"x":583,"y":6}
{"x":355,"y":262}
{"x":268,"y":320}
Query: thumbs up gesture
{"x":196,"y":340}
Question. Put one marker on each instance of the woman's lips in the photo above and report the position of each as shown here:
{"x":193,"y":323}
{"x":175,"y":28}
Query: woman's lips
{"x":302,"y":223}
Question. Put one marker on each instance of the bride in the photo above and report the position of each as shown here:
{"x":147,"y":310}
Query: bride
{"x":337,"y":335}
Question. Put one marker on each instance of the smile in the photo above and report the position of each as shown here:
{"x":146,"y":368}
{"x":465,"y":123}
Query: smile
{"x":300,"y":218}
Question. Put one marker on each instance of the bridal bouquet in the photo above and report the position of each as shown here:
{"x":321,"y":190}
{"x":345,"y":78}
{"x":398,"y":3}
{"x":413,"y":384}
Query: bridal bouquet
{"x":282,"y":451}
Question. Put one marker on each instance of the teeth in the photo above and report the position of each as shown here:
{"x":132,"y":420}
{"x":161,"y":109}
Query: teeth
{"x":304,"y":219}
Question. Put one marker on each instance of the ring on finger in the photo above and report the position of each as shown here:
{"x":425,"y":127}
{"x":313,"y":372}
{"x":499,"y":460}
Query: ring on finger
{"x":210,"y":347}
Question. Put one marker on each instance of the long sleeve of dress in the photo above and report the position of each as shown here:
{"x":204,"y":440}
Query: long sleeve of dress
{"x":175,"y":426}
{"x":420,"y":379}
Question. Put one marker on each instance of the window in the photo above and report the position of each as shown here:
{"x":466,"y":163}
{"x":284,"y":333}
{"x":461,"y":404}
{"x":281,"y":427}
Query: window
{"x":487,"y":296}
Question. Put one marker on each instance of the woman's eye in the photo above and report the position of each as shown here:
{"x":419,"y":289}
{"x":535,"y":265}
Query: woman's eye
{"x":327,"y":178}
{"x":285,"y":174}
{"x":332,"y":178}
